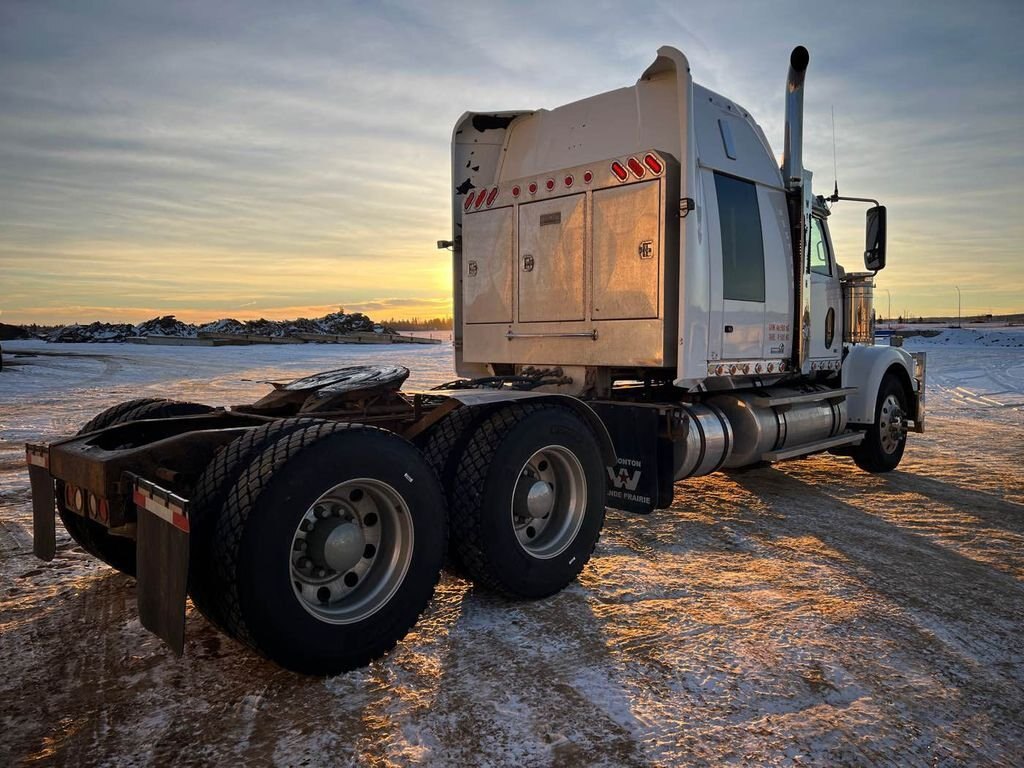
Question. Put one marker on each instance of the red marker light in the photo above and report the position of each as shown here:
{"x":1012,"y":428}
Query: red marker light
{"x":588,"y":177}
{"x":550,"y":184}
{"x":533,"y":187}
{"x":653,"y":163}
{"x":469,"y":202}
{"x":480,"y":198}
{"x":568,"y":180}
{"x":620,"y":173}
{"x":490,"y":197}
{"x":635,"y":167}
{"x":515,"y":191}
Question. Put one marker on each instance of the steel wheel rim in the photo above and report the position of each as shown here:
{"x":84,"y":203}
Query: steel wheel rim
{"x":891,"y":426}
{"x":351,"y":551}
{"x":549,"y":502}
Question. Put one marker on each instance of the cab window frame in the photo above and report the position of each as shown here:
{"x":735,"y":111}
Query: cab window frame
{"x":824,"y":269}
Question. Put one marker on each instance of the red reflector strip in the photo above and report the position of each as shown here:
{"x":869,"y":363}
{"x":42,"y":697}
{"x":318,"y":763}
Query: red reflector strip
{"x":653,"y":163}
{"x":635,"y":167}
{"x":492,"y":196}
{"x":37,"y":456}
{"x":620,"y":172}
{"x":170,"y":511}
{"x":480,"y":198}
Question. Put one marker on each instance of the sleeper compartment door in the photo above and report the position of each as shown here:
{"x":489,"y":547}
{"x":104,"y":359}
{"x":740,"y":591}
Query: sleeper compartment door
{"x":487,"y":266}
{"x":627,"y":251}
{"x":551,"y":260}
{"x":742,"y":254}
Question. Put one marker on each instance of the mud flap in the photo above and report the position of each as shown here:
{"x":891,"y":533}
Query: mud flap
{"x":163,"y":552}
{"x":44,"y":503}
{"x":637,"y":482}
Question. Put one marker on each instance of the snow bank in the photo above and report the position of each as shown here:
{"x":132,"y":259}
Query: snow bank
{"x":971,"y":337}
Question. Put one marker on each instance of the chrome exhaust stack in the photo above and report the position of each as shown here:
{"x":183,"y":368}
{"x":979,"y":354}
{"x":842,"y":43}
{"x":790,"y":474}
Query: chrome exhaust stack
{"x":792,"y":157}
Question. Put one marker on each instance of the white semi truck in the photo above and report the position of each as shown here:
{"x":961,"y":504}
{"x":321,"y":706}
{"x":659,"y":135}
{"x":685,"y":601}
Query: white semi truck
{"x":641,"y":296}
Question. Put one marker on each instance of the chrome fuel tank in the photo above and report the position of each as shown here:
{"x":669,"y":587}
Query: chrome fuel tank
{"x":764,"y":421}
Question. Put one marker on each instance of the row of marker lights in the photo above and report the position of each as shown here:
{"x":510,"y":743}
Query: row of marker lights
{"x":732,"y":370}
{"x":85,"y":503}
{"x":634,"y":165}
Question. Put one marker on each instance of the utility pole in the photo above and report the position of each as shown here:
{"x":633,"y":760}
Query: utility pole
{"x":958,"y":323}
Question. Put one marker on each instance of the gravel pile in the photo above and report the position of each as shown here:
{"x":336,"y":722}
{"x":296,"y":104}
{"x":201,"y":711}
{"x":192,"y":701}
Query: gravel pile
{"x":168,"y":325}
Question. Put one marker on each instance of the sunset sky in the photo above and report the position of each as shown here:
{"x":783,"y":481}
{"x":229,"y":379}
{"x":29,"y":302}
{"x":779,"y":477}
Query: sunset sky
{"x":282,"y":159}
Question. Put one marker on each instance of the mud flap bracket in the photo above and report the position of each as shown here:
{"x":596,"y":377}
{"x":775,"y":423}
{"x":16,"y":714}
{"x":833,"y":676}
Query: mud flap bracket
{"x":163,"y":553}
{"x":44,"y":503}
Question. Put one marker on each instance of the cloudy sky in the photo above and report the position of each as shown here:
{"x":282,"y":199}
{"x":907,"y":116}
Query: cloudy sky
{"x":276,"y":159}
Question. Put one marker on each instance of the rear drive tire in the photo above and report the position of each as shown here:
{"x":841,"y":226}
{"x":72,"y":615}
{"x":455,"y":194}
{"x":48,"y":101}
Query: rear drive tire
{"x":443,"y":449}
{"x":117,"y":551}
{"x":528,"y":500}
{"x":329,"y":547}
{"x":211,"y":493}
{"x":885,"y":440}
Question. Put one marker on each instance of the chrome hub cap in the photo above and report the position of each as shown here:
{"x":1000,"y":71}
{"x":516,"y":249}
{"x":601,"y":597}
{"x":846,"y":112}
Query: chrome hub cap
{"x":892,"y":426}
{"x":351,"y":551}
{"x":549,"y":502}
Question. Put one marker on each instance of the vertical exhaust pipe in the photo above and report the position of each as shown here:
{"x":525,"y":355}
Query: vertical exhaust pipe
{"x":792,"y":156}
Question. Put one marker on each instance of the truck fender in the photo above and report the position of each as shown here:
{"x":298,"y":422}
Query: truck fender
{"x":471,"y":397}
{"x":864,"y":368}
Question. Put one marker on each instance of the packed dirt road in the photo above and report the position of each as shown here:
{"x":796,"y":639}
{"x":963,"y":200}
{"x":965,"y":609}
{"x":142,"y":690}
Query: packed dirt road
{"x":805,"y":613}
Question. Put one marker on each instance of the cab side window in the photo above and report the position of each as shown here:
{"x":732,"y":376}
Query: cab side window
{"x":820,"y":261}
{"x":742,"y":246}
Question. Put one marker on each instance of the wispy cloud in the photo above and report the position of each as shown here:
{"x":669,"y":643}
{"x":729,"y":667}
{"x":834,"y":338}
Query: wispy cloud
{"x":194,"y":156}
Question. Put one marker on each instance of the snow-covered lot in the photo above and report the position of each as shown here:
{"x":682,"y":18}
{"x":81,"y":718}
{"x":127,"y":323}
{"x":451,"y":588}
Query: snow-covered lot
{"x":806,"y":613}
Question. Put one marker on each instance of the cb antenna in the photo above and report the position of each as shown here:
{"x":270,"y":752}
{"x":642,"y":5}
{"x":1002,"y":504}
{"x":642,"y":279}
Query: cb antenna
{"x":835,"y":172}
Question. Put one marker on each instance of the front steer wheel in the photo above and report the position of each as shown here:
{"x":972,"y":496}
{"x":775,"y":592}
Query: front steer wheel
{"x":328,"y":547}
{"x":528,"y":500}
{"x":886,"y":439}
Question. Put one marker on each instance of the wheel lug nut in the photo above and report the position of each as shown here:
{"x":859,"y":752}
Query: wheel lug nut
{"x":320,"y":573}
{"x":322,"y":512}
{"x":307,"y":525}
{"x":300,"y":545}
{"x":304,"y":562}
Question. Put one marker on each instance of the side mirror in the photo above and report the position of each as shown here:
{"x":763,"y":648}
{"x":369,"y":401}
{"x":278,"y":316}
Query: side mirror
{"x":874,"y":247}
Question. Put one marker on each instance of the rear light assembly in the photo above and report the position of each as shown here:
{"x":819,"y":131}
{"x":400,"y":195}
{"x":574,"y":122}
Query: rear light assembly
{"x":653,"y":163}
{"x":491,"y":197}
{"x":588,"y":177}
{"x":636,"y":167}
{"x":469,"y":202}
{"x":620,"y":171}
{"x":480,"y":198}
{"x":533,"y":187}
{"x":550,"y":184}
{"x":516,"y":191}
{"x":569,"y":180}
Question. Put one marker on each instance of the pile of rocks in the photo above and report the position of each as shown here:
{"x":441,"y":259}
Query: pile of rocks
{"x":334,"y":323}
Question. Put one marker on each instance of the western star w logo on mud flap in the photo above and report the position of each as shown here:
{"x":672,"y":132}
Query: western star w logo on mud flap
{"x":622,"y":478}
{"x":623,"y":481}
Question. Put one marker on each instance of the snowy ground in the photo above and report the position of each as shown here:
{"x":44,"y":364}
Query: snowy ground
{"x":802,"y":614}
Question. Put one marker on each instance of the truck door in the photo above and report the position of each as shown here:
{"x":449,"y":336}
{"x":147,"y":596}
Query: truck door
{"x":742,"y":252}
{"x":826,"y":333}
